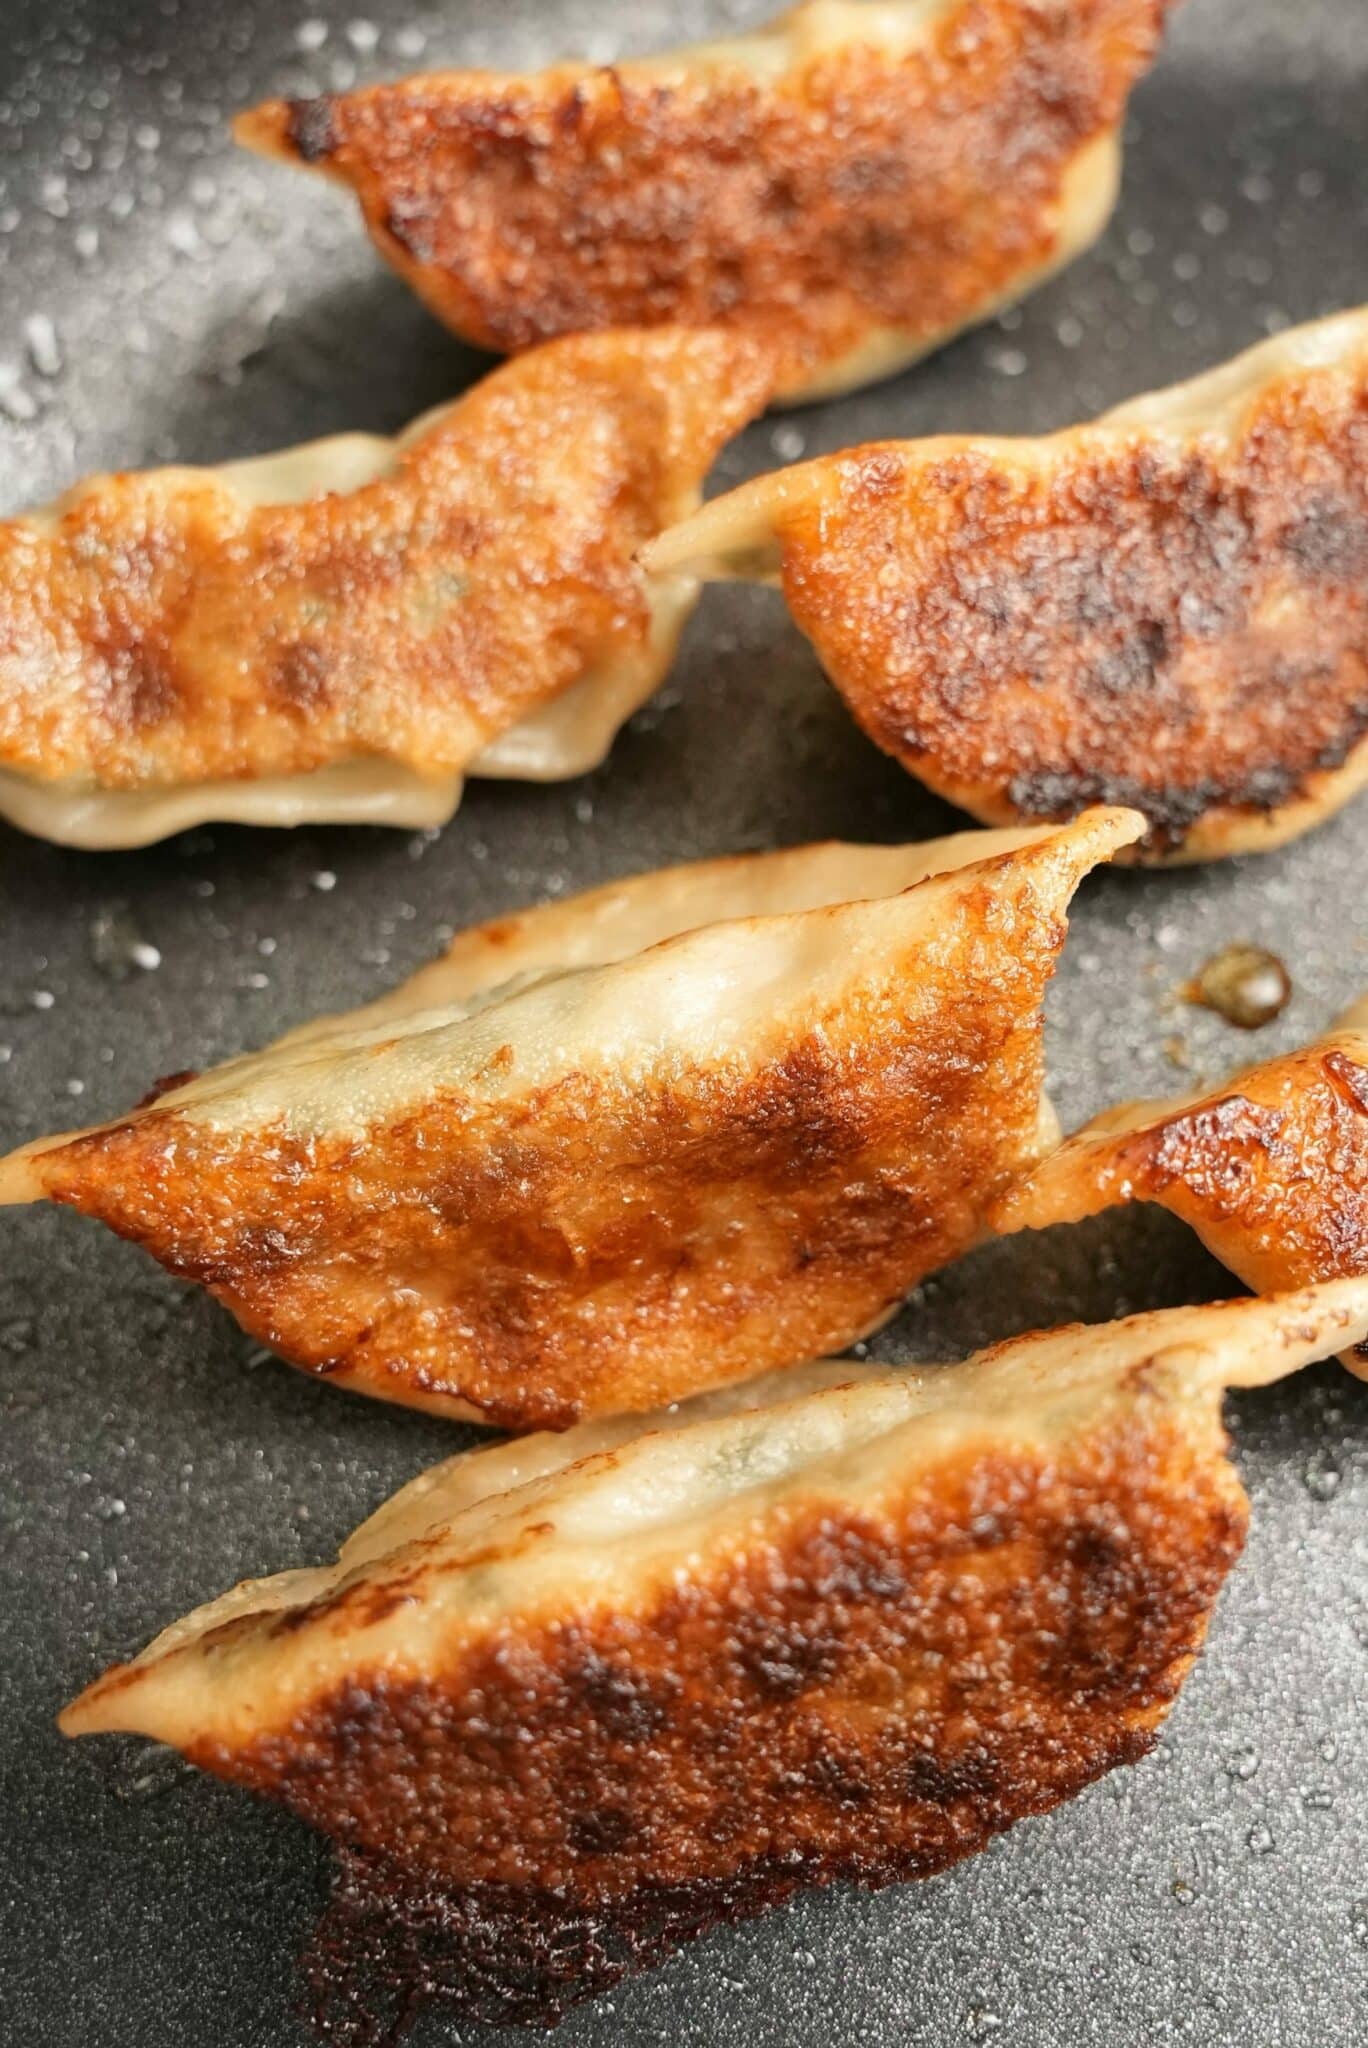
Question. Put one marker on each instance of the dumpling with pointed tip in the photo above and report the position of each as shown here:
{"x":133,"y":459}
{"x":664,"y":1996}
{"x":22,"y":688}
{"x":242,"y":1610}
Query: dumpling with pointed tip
{"x":1167,"y":608}
{"x":1270,"y":1170}
{"x":650,"y":1682}
{"x":343,"y":631}
{"x":861,"y":181}
{"x":664,"y":1136}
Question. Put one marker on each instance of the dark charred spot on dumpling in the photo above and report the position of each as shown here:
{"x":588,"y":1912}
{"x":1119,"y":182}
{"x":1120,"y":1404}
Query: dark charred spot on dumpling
{"x":1329,"y":537}
{"x":944,"y":1780}
{"x":164,"y":1084}
{"x":632,"y":1706}
{"x":601,"y":1830}
{"x":781,"y":1659}
{"x":310,"y":129}
{"x":1053,"y":795}
{"x":300,"y":678}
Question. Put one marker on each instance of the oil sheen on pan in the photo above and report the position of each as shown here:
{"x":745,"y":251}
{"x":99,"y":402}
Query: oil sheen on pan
{"x":1271,"y":1170}
{"x":343,"y":631}
{"x":660,"y":1137}
{"x":857,"y":181}
{"x":1166,"y":608}
{"x":638,"y":1683}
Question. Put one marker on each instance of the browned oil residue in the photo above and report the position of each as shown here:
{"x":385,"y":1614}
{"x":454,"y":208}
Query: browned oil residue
{"x":1245,"y":984}
{"x":392,"y":1942}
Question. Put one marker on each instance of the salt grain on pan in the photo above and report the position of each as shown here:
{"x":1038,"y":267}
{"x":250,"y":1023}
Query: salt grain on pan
{"x":311,"y":35}
{"x":17,"y":402}
{"x":788,"y":443}
{"x":362,"y":35}
{"x":44,"y":349}
{"x":183,"y":235}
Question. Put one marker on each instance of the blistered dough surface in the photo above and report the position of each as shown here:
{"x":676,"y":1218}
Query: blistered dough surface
{"x":555,"y":1177}
{"x":851,"y":1633}
{"x":1167,"y":608}
{"x":344,"y":630}
{"x":858,"y":181}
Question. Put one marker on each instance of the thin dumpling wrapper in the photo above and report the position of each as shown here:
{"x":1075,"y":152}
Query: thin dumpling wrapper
{"x":1270,"y":1170}
{"x":568,"y":1189}
{"x":1167,"y":608}
{"x":345,"y":630}
{"x":855,"y":182}
{"x":851,"y":1634}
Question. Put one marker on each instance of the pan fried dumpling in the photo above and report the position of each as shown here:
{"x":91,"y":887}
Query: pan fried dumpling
{"x":852,"y":1634}
{"x":558,"y":1189}
{"x":1167,"y":608}
{"x":344,"y":630}
{"x":1271,"y":1170}
{"x":859,"y":181}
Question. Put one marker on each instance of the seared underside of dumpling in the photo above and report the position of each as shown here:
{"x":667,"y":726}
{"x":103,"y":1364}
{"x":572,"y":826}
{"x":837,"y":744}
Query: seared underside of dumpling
{"x":1271,"y":1170}
{"x":848,"y":1635}
{"x":862,"y":180}
{"x":1167,"y":608}
{"x":344,"y":630}
{"x":547,"y":1188}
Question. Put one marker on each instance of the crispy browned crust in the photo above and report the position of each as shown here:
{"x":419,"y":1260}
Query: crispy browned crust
{"x":862,"y":190}
{"x":866,"y":1697}
{"x":1271,"y":1172}
{"x":1129,"y":620}
{"x":163,"y":630}
{"x":1174,"y":627}
{"x":607,"y":1244}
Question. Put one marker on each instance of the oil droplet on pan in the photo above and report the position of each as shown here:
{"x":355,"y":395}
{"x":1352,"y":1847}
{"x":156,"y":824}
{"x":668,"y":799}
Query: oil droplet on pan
{"x":1244,"y":984}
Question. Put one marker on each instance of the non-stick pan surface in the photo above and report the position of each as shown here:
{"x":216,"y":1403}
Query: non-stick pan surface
{"x":165,"y":297}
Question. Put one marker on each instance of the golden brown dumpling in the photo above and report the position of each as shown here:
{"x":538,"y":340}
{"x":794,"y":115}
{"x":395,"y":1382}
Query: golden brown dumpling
{"x":598,"y":1159}
{"x":1167,"y":608}
{"x":642,"y":1684}
{"x":855,"y":181}
{"x":343,"y":631}
{"x":1270,"y":1170}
